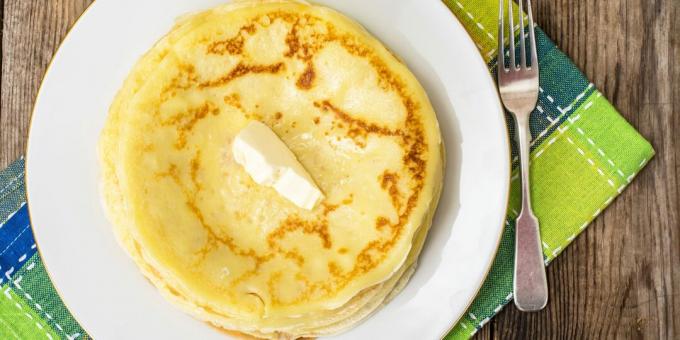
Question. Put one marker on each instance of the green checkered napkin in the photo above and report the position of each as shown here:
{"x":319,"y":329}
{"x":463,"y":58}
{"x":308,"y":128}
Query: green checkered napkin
{"x":583,"y":156}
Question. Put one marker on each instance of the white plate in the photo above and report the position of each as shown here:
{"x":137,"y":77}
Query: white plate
{"x":103,"y":288}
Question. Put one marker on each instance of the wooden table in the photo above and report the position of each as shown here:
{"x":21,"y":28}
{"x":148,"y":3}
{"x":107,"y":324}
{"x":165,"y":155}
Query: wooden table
{"x":621,"y":278}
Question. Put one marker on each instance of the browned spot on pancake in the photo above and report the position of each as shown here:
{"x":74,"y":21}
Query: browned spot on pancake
{"x":381,"y":222}
{"x":249,"y":28}
{"x":234,"y":100}
{"x":233,"y":45}
{"x":389,"y":181}
{"x":241,"y":70}
{"x":317,"y":120}
{"x":293,"y":42}
{"x":359,"y":126}
{"x":295,"y":256}
{"x":195,"y":166}
{"x":185,"y":79}
{"x":293,"y":223}
{"x":317,"y":227}
{"x":278,"y":115}
{"x":254,"y":116}
{"x":358,"y":129}
{"x":274,"y":278}
{"x":348,"y":200}
{"x":334,"y":269}
{"x":186,"y":121}
{"x":298,"y":47}
{"x":307,"y":78}
{"x":343,"y":250}
{"x":329,"y":208}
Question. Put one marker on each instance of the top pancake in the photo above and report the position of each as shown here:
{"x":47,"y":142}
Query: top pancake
{"x":350,"y":111}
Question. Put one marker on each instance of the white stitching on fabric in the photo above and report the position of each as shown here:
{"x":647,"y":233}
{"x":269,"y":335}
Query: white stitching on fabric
{"x":17,"y":280}
{"x":556,"y":251}
{"x":478,"y":24}
{"x":29,"y":297}
{"x":562,"y":113}
{"x":590,"y":141}
{"x":591,"y":162}
{"x":600,"y":151}
{"x":15,"y":239}
{"x":10,"y":183}
{"x":14,"y":187}
{"x":9,"y":217}
{"x":18,"y":306}
{"x":9,"y":272}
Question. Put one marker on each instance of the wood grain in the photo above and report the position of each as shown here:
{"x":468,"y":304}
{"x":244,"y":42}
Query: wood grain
{"x":31,"y":33}
{"x":621,"y":278}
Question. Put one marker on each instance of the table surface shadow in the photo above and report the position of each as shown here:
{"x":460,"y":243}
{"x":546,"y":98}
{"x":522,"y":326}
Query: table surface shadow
{"x":621,"y":278}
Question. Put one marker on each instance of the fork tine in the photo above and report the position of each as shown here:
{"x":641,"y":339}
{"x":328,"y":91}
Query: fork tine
{"x":501,"y":41}
{"x":522,"y":48}
{"x":512,"y":36}
{"x":532,"y":38}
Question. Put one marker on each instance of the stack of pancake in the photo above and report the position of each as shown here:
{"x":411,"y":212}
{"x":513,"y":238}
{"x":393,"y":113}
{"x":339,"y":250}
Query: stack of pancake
{"x":239,"y":255}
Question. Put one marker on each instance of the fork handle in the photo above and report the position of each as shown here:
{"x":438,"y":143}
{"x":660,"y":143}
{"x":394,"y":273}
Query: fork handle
{"x":530,"y":283}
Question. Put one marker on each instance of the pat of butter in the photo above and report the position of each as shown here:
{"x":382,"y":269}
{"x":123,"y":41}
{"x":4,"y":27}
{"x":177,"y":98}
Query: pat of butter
{"x":269,"y":162}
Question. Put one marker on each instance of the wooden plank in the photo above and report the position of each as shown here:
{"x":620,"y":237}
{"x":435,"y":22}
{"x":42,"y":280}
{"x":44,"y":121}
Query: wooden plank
{"x":618,"y":280}
{"x":31,"y":33}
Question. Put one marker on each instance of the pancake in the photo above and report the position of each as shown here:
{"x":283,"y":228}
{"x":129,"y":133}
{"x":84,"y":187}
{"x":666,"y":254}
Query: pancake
{"x":237,"y":254}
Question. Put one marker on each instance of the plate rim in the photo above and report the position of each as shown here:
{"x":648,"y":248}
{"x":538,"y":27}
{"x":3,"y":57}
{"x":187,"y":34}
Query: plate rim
{"x":468,"y":39}
{"x":508,"y":167}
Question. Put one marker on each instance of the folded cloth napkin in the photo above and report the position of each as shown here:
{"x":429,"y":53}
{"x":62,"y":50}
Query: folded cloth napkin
{"x":584,"y":154}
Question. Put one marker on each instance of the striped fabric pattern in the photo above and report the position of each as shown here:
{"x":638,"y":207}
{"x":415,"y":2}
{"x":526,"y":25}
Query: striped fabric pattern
{"x":30,"y":307}
{"x":584,"y":154}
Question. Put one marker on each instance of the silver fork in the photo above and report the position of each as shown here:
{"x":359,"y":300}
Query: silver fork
{"x":518,"y":86}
